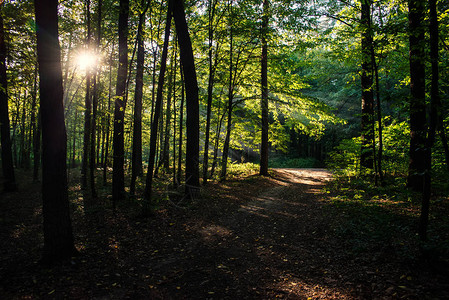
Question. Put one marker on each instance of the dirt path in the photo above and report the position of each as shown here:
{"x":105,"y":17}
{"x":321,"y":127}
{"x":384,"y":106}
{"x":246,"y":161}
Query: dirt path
{"x":258,"y":238}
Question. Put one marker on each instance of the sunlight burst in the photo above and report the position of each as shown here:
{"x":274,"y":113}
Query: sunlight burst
{"x":86,"y":60}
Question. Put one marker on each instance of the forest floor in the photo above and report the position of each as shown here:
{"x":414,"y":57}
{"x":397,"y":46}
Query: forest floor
{"x":284,"y":236}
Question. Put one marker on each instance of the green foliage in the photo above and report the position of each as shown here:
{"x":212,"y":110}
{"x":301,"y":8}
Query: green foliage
{"x":344,"y":160}
{"x":293,"y":162}
{"x":239,"y":170}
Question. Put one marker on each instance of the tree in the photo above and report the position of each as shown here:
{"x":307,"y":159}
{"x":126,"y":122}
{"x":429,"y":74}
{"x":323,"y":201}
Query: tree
{"x":138,"y":95}
{"x":418,"y":125}
{"x":211,"y":14}
{"x":192,"y":105}
{"x":118,"y":175}
{"x":9,"y":184}
{"x":88,"y":106}
{"x":434,"y":119}
{"x":367,"y":119}
{"x":264,"y":102}
{"x":58,"y":236}
{"x":157,"y":111}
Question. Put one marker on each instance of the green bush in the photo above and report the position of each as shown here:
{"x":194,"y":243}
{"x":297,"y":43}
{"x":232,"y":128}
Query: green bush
{"x":344,"y":160}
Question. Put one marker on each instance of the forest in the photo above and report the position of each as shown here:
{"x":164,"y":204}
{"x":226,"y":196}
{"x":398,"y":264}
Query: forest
{"x":236,"y":149}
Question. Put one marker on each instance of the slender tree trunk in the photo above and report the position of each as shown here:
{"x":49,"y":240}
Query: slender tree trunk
{"x":367,"y":130}
{"x":224,"y":158}
{"x":108,"y":123}
{"x":92,"y":161}
{"x":88,"y":107}
{"x":137,"y":169}
{"x":216,"y":144}
{"x":9,"y":184}
{"x":379,"y":119}
{"x":192,"y":102}
{"x":264,"y":102}
{"x":35,"y":129}
{"x":74,"y":125}
{"x":165,"y":153}
{"x":418,"y":125}
{"x":157,"y":112}
{"x":434,"y":111}
{"x":23,"y":130}
{"x":181,"y":129}
{"x":175,"y":184}
{"x":210,"y":87}
{"x":118,"y":175}
{"x":58,"y":236}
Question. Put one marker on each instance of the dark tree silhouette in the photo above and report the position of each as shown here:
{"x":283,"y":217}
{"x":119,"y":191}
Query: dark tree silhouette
{"x":58,"y":236}
{"x":367,"y":128}
{"x":7,"y":160}
{"x":264,"y":101}
{"x":137,"y":169}
{"x":118,"y":175}
{"x":157,"y":111}
{"x":418,"y":126}
{"x":434,"y":119}
{"x":192,"y":104}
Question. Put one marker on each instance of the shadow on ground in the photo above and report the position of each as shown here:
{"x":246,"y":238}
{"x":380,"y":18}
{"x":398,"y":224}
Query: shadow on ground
{"x":258,"y":238}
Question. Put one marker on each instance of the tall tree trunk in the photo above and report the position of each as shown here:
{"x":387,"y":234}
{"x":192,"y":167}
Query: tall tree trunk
{"x":210,"y":87}
{"x":92,"y":162}
{"x":175,"y":184}
{"x":434,"y":112}
{"x":35,"y":128}
{"x":192,"y":102}
{"x":138,"y":95}
{"x":108,"y":122}
{"x":157,"y":112}
{"x":224,"y":158}
{"x":181,"y":129}
{"x":9,"y":183}
{"x":418,"y":126}
{"x":88,"y":106}
{"x":118,"y":175}
{"x":264,"y":102}
{"x":379,"y":119}
{"x":165,"y":153}
{"x":367,"y":119}
{"x":58,"y":236}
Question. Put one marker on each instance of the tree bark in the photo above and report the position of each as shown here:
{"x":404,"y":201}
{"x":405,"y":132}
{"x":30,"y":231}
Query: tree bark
{"x":192,"y":102}
{"x":9,"y":184}
{"x":157,"y":112}
{"x":434,"y":112}
{"x":367,"y":119}
{"x":181,"y":129}
{"x":224,"y":158}
{"x":264,"y":101}
{"x":108,"y":122}
{"x":210,"y":87}
{"x":118,"y":175}
{"x":137,"y":169}
{"x":58,"y":236}
{"x":88,"y":107}
{"x":418,"y":126}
